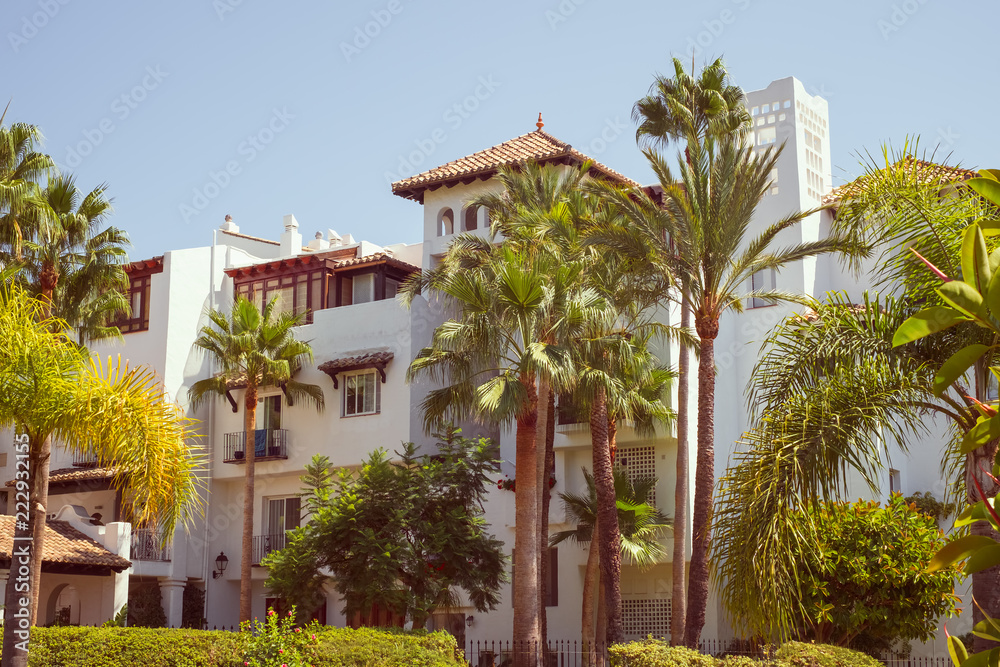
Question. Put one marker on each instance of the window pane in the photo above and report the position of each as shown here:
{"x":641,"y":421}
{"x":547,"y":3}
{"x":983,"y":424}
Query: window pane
{"x":369,"y":392}
{"x":364,"y":287}
{"x":350,"y":406}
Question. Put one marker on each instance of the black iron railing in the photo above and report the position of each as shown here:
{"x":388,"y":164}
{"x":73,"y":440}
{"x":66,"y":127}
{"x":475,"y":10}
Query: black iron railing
{"x":265,"y":544}
{"x":269,"y":443}
{"x":146,"y":545}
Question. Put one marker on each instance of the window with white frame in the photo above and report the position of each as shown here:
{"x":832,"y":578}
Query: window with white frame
{"x":362,"y":394}
{"x":281,"y":514}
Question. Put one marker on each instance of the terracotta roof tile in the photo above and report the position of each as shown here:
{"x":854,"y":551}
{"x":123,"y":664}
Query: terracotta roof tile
{"x":377,"y":258}
{"x":76,"y":475}
{"x":928,"y":173}
{"x":64,"y":545}
{"x":369,"y":359}
{"x":538,"y":146}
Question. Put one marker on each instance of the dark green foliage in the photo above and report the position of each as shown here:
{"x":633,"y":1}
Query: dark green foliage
{"x":399,"y":535}
{"x":869,"y":575}
{"x":193,"y":610}
{"x":145,"y":607}
{"x":929,"y":505}
{"x":656,"y":653}
{"x":129,"y":647}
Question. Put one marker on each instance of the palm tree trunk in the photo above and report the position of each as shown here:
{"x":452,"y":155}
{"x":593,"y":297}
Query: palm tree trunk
{"x":526,"y":631}
{"x":609,"y":544}
{"x":42,"y":451}
{"x":246,"y":558}
{"x":543,"y":532}
{"x":590,"y":575}
{"x":39,"y":504}
{"x":985,"y":583}
{"x":602,"y":620}
{"x":678,"y":602}
{"x":703,"y":486}
{"x":15,"y":652}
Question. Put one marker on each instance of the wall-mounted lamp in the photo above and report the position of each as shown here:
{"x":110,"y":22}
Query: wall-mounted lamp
{"x":221,"y":563}
{"x":468,"y":620}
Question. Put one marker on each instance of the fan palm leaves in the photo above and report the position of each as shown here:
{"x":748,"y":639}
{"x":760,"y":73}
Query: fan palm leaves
{"x":253,"y":348}
{"x":642,"y":528}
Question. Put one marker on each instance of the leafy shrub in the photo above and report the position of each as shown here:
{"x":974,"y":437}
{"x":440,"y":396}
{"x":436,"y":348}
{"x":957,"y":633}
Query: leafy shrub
{"x":657,"y":653}
{"x":162,"y":647}
{"x":145,"y":607}
{"x":799,"y":654}
{"x":277,"y":642}
{"x":193,"y":609}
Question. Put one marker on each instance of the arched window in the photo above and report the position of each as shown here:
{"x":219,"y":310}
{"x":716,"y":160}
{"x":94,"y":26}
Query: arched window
{"x":446,"y":222}
{"x":471,"y":218}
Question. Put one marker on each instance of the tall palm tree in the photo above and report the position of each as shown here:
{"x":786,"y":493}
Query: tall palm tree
{"x":706,"y":216}
{"x":857,"y":393}
{"x":21,"y":169}
{"x":693,"y":111}
{"x":642,"y":527}
{"x":50,"y":387}
{"x":70,"y":264}
{"x":488,"y":359}
{"x":256,"y":348}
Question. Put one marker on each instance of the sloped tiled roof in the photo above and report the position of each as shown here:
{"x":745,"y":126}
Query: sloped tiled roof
{"x":62,"y":475}
{"x":538,"y":146}
{"x":377,"y":258}
{"x":64,"y":545}
{"x":927,"y":172}
{"x":370,"y":359}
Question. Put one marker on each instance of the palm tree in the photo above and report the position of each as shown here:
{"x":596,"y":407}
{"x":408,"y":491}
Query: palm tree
{"x":255,"y":349}
{"x":21,"y":168}
{"x":695,"y":111}
{"x":852,"y":392}
{"x":74,"y":264}
{"x":642,"y":526}
{"x":488,"y":359}
{"x":69,"y":265}
{"x":50,"y":387}
{"x":705,"y":220}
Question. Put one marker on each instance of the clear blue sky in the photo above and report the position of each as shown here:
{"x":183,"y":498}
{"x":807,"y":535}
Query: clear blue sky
{"x":313,"y":117}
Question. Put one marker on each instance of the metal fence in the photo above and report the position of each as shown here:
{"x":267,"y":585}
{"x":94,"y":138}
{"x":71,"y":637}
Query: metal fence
{"x":146,"y":545}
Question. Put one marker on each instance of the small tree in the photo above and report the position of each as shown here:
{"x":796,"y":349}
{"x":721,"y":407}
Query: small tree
{"x":867,"y":578}
{"x":400,"y":536}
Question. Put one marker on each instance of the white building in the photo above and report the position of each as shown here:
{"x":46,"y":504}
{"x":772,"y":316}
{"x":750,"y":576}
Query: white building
{"x":363,"y":341}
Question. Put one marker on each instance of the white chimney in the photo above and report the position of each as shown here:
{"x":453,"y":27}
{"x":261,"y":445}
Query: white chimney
{"x":229,"y":225}
{"x":333,"y":237}
{"x":291,"y":240}
{"x":319,"y":243}
{"x":347,"y":240}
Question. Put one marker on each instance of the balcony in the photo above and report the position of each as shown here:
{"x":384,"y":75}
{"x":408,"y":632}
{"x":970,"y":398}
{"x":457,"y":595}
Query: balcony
{"x":85,"y":460}
{"x":265,"y":544}
{"x":269,"y":445}
{"x":146,"y":546}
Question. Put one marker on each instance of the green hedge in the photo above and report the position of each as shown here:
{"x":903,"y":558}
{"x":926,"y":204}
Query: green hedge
{"x":656,"y":653}
{"x":129,"y":647}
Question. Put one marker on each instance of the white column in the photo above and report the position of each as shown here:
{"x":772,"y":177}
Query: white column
{"x":117,"y":540}
{"x":172,"y":593}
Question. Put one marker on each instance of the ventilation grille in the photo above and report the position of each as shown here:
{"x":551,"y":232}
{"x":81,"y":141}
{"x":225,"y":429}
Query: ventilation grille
{"x":638,"y":462}
{"x":646,"y":616}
